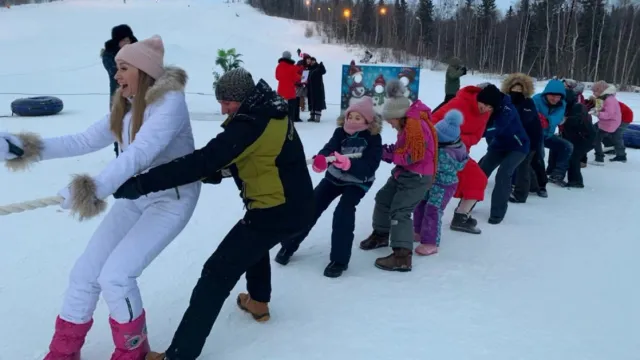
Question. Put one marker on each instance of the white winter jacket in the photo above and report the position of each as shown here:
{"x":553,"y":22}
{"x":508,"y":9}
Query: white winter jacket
{"x":165,"y":135}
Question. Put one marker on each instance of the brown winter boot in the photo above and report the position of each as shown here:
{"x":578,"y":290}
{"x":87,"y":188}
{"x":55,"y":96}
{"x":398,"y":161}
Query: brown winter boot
{"x":374,"y":241}
{"x":399,"y":260}
{"x":154,"y":356}
{"x":259,"y":310}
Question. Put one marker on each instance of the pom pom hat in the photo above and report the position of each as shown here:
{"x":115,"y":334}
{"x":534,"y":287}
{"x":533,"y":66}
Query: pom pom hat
{"x":146,"y":55}
{"x":449,"y":128}
{"x":396,"y":104}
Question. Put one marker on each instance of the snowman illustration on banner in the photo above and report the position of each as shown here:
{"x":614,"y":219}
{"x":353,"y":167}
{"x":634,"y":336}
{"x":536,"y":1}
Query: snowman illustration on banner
{"x":357,"y":90}
{"x":379,"y":93}
{"x":407,"y":76}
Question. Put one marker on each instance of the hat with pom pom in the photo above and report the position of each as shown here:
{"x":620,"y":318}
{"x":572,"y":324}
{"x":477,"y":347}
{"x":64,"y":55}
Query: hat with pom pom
{"x":449,"y":128}
{"x":396,"y":104}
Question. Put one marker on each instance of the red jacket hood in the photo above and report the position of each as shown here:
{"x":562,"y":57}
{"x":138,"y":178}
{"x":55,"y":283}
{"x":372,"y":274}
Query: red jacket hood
{"x":474,"y":124}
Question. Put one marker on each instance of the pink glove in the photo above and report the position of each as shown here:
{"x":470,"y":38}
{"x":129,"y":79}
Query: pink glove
{"x":319,"y":163}
{"x":342,"y":162}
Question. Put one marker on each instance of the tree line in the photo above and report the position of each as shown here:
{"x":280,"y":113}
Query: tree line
{"x":587,"y":40}
{"x":8,"y":3}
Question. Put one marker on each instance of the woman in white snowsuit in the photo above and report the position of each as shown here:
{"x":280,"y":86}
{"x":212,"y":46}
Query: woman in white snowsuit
{"x":150,"y":121}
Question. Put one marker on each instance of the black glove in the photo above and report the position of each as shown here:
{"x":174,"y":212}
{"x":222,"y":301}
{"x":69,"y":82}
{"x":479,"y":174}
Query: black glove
{"x":217,"y":177}
{"x":464,"y":70}
{"x":131,"y":189}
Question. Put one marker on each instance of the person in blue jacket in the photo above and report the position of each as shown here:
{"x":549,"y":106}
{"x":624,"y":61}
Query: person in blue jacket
{"x":508,"y":147}
{"x":520,"y":88}
{"x":350,"y":179}
{"x":551,"y":105}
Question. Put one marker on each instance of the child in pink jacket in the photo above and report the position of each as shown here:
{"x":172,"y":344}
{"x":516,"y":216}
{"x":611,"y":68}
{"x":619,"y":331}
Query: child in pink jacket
{"x":414,"y":155}
{"x":607,"y":109}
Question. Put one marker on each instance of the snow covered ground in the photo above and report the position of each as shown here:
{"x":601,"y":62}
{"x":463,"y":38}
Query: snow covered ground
{"x":558,"y":279}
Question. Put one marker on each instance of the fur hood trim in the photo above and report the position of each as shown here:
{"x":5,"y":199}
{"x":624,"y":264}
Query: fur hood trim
{"x":518,"y":78}
{"x":173,"y":79}
{"x":374,"y":128}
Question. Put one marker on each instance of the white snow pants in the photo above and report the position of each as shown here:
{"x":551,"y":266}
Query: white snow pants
{"x":131,"y":235}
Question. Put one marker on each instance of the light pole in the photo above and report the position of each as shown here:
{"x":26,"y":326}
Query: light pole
{"x":420,"y":45}
{"x":347,"y":15}
{"x":381,"y":12}
{"x":308,"y":3}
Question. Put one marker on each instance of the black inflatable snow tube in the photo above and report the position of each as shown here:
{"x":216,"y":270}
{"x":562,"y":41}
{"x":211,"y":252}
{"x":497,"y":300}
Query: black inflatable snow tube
{"x":37,"y":106}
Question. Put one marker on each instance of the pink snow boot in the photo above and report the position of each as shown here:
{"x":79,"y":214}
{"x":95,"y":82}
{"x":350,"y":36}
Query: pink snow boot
{"x":426,"y":249}
{"x":130,"y":339}
{"x":67,"y":341}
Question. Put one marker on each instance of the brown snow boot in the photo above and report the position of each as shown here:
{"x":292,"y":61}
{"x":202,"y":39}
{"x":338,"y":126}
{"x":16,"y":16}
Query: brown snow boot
{"x":399,"y":260}
{"x":258,"y":310}
{"x":374,"y":241}
{"x":154,"y":356}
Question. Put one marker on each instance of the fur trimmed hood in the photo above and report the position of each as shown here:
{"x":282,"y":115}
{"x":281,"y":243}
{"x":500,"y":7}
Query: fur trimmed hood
{"x":173,"y":79}
{"x":518,"y":78}
{"x":374,"y":128}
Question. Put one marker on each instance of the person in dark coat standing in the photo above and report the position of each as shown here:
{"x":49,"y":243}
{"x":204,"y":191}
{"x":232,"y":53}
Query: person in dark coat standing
{"x":520,"y":89}
{"x":315,"y":90}
{"x":578,"y":129}
{"x":508,"y":147}
{"x":121,"y":35}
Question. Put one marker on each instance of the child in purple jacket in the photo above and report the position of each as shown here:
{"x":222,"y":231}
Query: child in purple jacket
{"x":414,"y":155}
{"x":452,"y":156}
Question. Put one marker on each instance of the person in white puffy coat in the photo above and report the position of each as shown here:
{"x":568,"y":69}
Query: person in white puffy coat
{"x":150,"y":121}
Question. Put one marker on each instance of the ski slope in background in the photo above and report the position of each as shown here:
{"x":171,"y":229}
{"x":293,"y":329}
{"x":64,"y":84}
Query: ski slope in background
{"x":558,"y":279}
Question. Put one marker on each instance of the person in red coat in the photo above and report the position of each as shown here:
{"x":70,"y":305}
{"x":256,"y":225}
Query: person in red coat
{"x":476,"y":104}
{"x":288,"y":75}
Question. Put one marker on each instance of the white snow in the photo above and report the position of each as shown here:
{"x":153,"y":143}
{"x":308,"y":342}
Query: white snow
{"x":558,"y":279}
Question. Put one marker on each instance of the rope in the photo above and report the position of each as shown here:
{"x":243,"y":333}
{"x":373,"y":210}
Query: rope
{"x":30,"y":205}
{"x":333,"y":158}
{"x":57,"y":200}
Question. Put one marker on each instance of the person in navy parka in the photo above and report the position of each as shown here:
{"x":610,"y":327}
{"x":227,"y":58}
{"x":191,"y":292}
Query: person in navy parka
{"x":508,"y":147}
{"x":121,"y":35}
{"x":520,"y":88}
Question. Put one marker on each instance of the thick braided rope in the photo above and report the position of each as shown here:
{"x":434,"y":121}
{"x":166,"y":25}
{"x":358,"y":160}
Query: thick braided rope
{"x":56,"y":200}
{"x":30,"y":205}
{"x":333,"y":158}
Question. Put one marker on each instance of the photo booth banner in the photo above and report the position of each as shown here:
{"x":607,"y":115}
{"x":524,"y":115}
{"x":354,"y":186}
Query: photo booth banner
{"x":370,"y":80}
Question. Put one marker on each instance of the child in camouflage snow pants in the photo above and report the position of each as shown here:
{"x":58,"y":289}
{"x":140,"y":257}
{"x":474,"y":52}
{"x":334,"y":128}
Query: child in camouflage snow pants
{"x":452,"y":156}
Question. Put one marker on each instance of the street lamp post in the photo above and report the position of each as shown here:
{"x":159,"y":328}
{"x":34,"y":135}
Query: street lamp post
{"x":308,"y":3}
{"x":347,"y":15}
{"x":421,"y":44}
{"x":381,"y":12}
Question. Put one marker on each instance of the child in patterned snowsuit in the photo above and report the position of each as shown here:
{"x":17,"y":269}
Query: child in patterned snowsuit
{"x":452,"y":156}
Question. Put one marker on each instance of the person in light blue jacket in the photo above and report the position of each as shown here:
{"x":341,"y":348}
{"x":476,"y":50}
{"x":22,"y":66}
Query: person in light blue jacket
{"x":551,"y":106}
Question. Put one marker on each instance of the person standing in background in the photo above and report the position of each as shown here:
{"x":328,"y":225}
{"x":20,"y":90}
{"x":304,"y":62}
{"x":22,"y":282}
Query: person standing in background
{"x":121,"y":35}
{"x":452,"y":80}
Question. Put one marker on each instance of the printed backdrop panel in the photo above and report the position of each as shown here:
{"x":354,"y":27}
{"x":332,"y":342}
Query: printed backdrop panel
{"x":369,"y":80}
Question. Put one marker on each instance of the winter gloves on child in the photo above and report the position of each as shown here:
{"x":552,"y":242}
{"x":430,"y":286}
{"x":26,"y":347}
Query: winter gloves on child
{"x":341,"y":162}
{"x":387,"y":153}
{"x":319,"y":163}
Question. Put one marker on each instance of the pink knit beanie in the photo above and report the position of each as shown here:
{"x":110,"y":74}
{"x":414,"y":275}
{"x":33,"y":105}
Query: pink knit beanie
{"x":599,"y":87}
{"x":364,"y":107}
{"x":146,"y":55}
